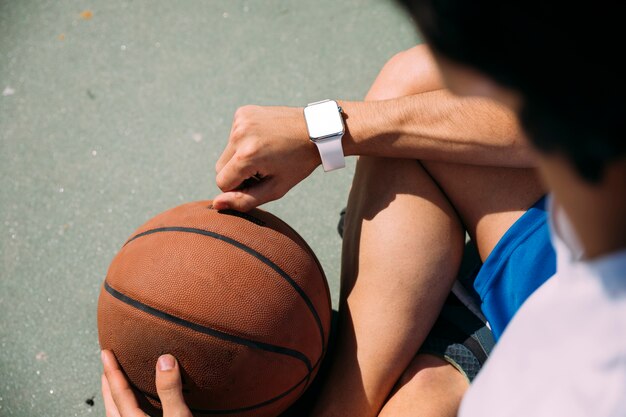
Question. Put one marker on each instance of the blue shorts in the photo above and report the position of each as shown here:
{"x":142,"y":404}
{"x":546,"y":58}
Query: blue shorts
{"x":522,"y":260}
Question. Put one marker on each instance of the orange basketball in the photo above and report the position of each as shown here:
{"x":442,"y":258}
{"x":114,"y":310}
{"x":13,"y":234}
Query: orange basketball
{"x":238,"y":298}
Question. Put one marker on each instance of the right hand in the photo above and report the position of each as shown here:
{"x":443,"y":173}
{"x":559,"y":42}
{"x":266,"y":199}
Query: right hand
{"x":270,"y":143}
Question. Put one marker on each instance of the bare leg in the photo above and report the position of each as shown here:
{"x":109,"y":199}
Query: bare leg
{"x":429,"y":387}
{"x":394,"y":280}
{"x":396,"y":212}
{"x":402,"y":247}
{"x":488,"y":199}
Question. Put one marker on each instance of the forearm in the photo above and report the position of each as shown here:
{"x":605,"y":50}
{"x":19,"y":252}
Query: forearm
{"x":407,"y":114}
{"x":436,"y":126}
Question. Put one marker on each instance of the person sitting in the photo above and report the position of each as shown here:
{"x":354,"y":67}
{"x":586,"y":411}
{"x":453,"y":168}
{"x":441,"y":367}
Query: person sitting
{"x":432,"y":166}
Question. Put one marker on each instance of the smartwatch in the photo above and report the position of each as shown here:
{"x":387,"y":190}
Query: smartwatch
{"x":326,"y":128}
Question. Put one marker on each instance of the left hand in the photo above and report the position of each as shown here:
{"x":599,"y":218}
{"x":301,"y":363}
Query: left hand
{"x":119,"y":399}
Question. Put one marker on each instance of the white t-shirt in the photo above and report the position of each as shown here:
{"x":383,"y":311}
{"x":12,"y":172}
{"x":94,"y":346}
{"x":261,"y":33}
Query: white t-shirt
{"x":564,"y":352}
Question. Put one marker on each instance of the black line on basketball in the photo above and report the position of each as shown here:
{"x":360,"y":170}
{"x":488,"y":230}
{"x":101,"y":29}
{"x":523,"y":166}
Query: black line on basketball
{"x":207,"y":330}
{"x":250,"y":251}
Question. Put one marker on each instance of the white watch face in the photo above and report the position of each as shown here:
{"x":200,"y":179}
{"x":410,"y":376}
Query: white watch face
{"x":323,"y":120}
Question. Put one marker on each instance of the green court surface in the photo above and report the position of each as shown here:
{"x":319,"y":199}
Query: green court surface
{"x":113,"y":111}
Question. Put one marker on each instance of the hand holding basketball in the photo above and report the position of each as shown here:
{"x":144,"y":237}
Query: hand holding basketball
{"x":271,"y":142}
{"x":119,"y":399}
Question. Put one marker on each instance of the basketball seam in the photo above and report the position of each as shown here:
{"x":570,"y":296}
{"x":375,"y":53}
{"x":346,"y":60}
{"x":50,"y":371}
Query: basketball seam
{"x":207,"y":330}
{"x":317,"y":261}
{"x":252,"y":252}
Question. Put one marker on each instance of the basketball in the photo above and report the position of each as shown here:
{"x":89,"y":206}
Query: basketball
{"x":238,"y":298}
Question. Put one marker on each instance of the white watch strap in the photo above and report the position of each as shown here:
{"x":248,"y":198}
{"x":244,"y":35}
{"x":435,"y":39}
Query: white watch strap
{"x":331,"y":152}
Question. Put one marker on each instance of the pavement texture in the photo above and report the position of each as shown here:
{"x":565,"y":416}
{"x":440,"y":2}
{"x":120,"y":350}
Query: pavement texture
{"x":113,"y":111}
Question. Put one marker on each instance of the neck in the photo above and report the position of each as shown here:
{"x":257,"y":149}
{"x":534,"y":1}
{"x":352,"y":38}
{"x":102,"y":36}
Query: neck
{"x":597,"y":211}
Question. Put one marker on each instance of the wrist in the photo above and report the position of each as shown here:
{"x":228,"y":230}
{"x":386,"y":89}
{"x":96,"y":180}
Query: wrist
{"x":350,"y":116}
{"x":365,"y":123}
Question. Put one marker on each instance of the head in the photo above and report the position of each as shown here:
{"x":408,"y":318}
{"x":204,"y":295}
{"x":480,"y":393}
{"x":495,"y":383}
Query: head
{"x":546,"y":60}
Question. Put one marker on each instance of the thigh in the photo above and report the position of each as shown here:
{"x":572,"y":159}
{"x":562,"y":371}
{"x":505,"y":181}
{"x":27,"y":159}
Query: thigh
{"x":488,"y":199}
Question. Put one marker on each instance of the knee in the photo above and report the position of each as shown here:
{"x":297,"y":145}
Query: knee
{"x":409,"y":72}
{"x":417,"y":59}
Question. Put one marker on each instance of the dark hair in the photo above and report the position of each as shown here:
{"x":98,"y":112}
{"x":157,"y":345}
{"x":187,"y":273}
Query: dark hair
{"x":562,"y":57}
